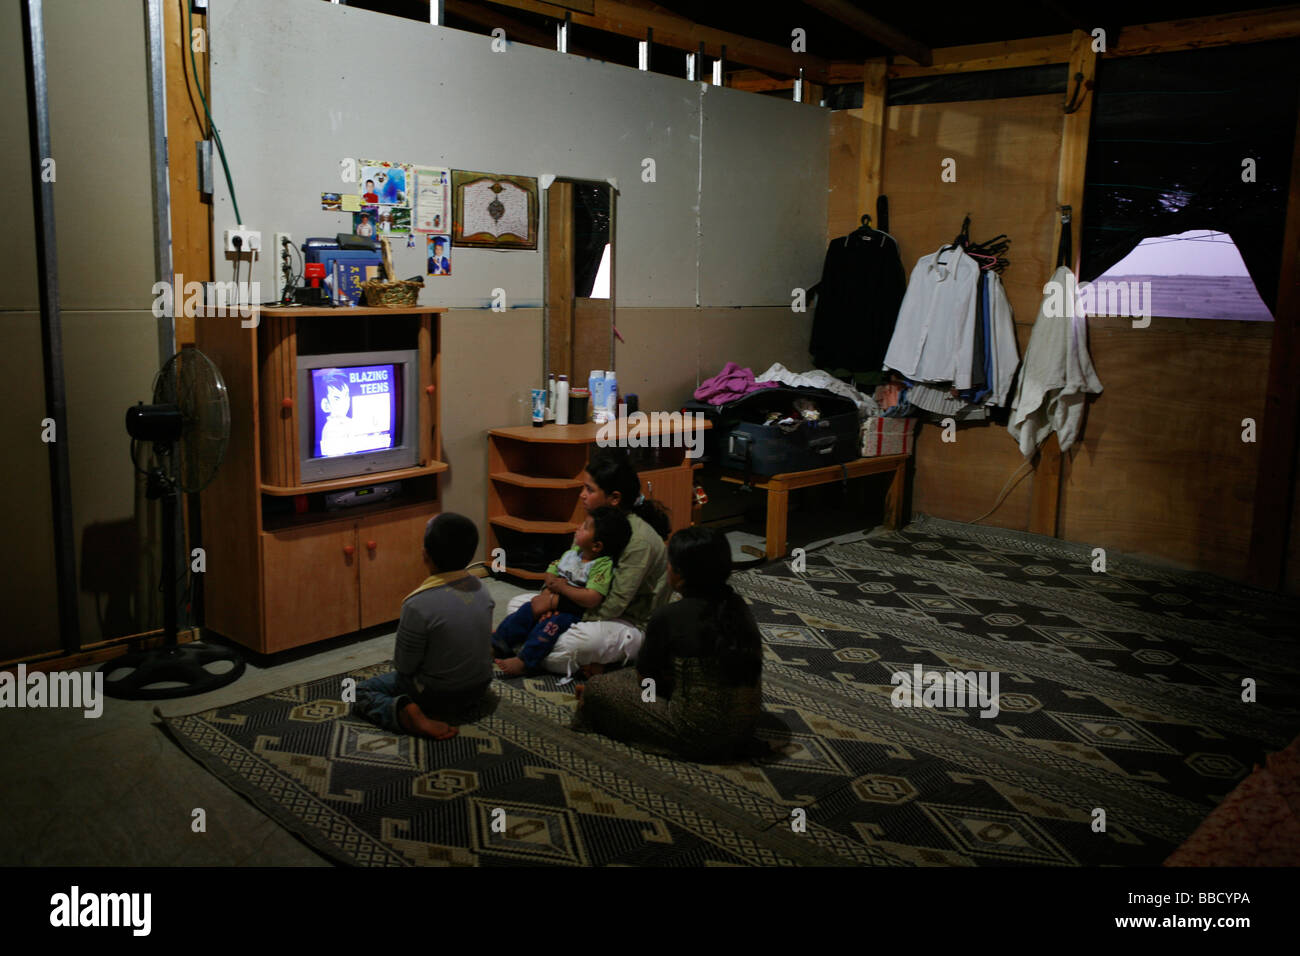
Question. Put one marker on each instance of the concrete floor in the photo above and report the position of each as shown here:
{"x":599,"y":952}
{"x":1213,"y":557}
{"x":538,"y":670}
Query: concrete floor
{"x":115,"y":791}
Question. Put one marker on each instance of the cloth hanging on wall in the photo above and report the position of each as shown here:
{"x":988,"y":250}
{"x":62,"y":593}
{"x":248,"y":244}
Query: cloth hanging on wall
{"x":857,"y":301}
{"x":1057,"y":373}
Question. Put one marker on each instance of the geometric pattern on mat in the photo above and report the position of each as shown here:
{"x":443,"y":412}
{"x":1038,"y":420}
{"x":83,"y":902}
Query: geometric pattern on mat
{"x":1119,"y":692}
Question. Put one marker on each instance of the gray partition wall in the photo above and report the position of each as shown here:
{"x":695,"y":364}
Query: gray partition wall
{"x":735,"y":214}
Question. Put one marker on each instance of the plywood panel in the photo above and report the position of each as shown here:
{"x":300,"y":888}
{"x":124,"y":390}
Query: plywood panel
{"x":762,"y":198}
{"x":844,"y":205}
{"x":1162,"y":469}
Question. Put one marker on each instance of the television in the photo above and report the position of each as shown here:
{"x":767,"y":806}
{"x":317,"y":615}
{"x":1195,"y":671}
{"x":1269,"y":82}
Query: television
{"x":358,"y":413}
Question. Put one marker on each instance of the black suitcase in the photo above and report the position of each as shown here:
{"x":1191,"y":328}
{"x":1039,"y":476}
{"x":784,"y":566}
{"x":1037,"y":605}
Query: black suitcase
{"x":741,"y":439}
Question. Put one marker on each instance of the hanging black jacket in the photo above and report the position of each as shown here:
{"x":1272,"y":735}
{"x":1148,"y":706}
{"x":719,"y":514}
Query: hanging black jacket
{"x":857,"y":301}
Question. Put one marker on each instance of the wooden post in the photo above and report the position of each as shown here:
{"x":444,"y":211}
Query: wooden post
{"x":1044,"y":507}
{"x":1270,"y":525}
{"x":559,"y":279}
{"x":872,"y":160}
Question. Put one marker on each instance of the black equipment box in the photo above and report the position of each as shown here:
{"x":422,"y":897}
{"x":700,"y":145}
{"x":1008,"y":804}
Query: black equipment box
{"x":742,"y":440}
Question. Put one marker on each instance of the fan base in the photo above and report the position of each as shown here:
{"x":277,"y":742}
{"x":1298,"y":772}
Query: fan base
{"x":184,"y":663}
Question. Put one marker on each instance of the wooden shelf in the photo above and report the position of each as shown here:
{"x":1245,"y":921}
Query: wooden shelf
{"x":534,"y":527}
{"x":532,"y":481}
{"x":584,"y":434}
{"x":355,"y":481}
{"x":315,"y":312}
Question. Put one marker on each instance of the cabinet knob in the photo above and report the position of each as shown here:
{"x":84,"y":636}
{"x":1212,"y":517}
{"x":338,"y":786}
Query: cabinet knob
{"x":286,"y":403}
{"x":428,"y":389}
{"x":371,"y":545}
{"x":350,"y":550}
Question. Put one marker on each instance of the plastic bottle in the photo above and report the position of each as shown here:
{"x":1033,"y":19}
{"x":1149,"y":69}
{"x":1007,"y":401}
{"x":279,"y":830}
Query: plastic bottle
{"x":596,"y":385}
{"x":550,"y":397}
{"x":562,"y":401}
{"x":611,"y":396}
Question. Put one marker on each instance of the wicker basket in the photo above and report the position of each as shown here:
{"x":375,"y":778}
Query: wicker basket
{"x":382,"y":294}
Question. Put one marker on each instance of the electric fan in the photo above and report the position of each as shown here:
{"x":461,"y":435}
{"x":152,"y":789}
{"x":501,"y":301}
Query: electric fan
{"x":178,"y":443}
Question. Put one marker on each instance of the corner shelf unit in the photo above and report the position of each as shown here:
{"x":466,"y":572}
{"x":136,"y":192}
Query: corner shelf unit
{"x":282,"y":571}
{"x":533,"y":489}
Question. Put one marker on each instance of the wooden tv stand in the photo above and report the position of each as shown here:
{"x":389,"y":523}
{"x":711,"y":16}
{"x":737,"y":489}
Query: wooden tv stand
{"x":276,"y":578}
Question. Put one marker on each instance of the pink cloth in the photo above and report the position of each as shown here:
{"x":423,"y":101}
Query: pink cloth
{"x":731,"y":383}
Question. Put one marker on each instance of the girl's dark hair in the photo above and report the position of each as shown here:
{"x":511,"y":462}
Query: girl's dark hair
{"x":612,"y":471}
{"x":702,"y":557}
{"x":611,"y":529}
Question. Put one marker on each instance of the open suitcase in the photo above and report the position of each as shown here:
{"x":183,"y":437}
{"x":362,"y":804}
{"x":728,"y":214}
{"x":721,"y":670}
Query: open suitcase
{"x":741,"y":439}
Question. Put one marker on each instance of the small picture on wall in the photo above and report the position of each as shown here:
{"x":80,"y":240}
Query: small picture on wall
{"x":384,"y":183}
{"x":494,"y":211}
{"x":331,"y":202}
{"x":366,"y":222}
{"x":439,"y":256}
{"x":394,"y":220}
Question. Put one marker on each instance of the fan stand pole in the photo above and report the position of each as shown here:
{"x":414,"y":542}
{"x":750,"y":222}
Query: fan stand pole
{"x":178,"y":664}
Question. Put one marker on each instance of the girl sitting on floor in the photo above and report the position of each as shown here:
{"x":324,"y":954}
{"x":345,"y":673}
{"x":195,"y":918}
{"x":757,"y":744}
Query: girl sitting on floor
{"x":696,"y":689}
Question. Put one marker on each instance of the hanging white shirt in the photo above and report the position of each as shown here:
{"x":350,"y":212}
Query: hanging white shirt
{"x":1002,"y":346}
{"x":1058,"y":370}
{"x":934,"y":338}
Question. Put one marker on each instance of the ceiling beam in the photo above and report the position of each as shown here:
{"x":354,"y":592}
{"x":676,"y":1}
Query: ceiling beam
{"x":612,"y":16}
{"x":515,"y":29}
{"x":873,"y":29}
{"x":1225,"y":29}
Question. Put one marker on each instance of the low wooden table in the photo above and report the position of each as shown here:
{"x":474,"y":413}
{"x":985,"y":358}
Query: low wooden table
{"x":778,"y":488}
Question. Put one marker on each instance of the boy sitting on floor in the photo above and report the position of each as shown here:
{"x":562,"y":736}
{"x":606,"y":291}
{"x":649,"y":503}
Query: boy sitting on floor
{"x":443,"y":637}
{"x":576,"y":583}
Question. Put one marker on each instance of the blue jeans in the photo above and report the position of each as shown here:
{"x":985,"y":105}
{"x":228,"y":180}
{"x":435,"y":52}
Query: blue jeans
{"x":536,"y":637}
{"x":380,"y":699}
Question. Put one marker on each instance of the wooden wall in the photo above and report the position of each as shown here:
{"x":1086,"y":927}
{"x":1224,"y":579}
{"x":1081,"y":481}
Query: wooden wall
{"x":1161,"y":469}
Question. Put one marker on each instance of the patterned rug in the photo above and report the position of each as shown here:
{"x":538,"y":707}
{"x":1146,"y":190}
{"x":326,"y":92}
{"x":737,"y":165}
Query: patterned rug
{"x":1121,"y":725}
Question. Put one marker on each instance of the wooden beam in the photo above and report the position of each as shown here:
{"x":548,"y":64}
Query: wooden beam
{"x":1002,"y":55}
{"x":1270,"y":525}
{"x":872,"y":159}
{"x":516,"y":30}
{"x":873,"y":29}
{"x":1045,"y":495}
{"x":612,"y":16}
{"x":191,"y":216}
{"x":1224,"y":29}
{"x":756,"y":81}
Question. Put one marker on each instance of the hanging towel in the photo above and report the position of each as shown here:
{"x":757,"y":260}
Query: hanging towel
{"x":1057,"y":371}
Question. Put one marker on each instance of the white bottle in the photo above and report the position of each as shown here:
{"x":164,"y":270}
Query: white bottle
{"x":550,"y":397}
{"x":611,"y":396}
{"x":596,"y":382}
{"x":562,"y":401}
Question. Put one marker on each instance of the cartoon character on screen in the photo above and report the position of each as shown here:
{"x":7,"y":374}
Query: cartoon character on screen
{"x":439,"y":264}
{"x":336,"y":435}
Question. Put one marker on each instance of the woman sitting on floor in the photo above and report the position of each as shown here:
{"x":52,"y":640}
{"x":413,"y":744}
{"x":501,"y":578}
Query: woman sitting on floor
{"x":612,"y":632}
{"x":703,"y":658}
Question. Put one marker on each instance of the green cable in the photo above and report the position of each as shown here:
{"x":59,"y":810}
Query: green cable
{"x":212,"y":125}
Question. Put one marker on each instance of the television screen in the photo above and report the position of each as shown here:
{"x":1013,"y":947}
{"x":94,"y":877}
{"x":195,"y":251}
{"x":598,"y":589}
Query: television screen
{"x":356,"y":409}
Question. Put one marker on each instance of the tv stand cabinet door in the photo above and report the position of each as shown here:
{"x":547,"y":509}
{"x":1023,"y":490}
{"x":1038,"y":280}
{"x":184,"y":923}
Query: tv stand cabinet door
{"x":390,"y":548}
{"x":674,"y":489}
{"x":310,"y":584}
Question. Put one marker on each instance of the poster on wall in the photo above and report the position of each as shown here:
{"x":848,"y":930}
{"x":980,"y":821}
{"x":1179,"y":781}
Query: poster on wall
{"x":432,"y":199}
{"x":384,"y":183}
{"x":493,"y":211}
{"x":439,"y":256}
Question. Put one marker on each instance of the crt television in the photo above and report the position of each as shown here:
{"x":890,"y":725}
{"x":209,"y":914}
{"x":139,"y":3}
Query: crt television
{"x":358,"y":413}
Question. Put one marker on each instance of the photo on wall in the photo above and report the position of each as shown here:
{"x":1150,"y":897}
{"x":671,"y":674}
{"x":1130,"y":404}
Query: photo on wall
{"x":493,"y":211}
{"x":432,"y":199}
{"x":439,"y":256}
{"x":366,"y":222}
{"x":384,"y":183}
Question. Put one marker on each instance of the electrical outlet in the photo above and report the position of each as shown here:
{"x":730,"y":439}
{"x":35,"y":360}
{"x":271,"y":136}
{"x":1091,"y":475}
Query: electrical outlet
{"x":252,"y":239}
{"x":281,"y":251}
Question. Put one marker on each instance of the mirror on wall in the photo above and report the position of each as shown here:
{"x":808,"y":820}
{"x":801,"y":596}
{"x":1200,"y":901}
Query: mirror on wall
{"x":579,"y":277}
